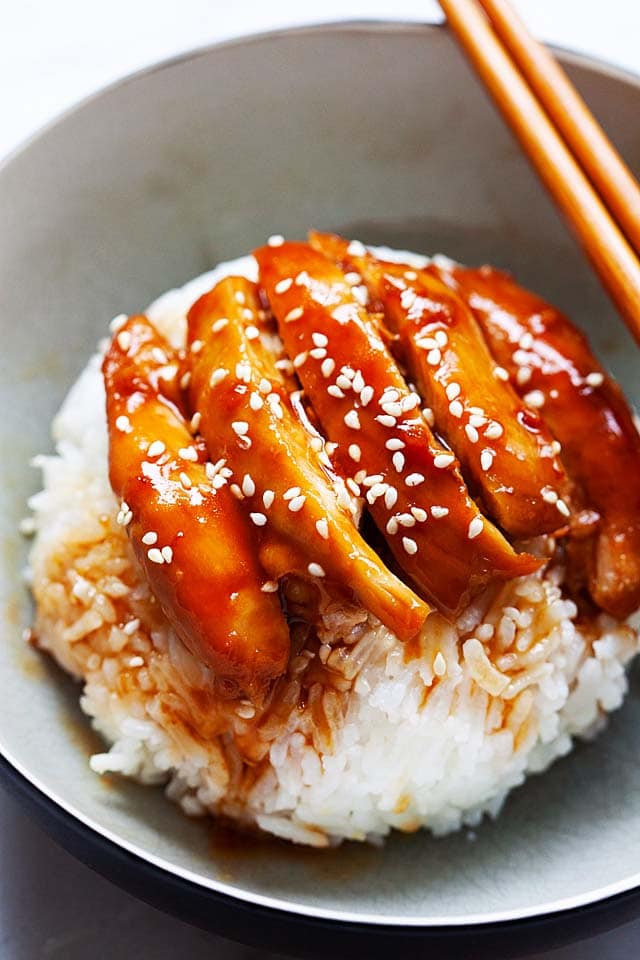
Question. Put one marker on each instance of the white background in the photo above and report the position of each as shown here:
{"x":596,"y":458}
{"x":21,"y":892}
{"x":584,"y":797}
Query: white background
{"x":51,"y":55}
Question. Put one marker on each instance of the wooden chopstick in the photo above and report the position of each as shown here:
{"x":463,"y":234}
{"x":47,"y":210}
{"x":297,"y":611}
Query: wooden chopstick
{"x":582,"y":132}
{"x":610,"y":253}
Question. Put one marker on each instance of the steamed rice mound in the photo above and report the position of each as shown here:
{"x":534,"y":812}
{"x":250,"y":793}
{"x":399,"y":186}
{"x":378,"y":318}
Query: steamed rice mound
{"x":385,"y":742}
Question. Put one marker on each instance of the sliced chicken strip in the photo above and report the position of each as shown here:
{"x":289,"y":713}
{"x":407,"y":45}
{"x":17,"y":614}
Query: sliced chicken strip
{"x":185,"y":526}
{"x":415,"y":493}
{"x":551,"y":364}
{"x":502,"y":445}
{"x":299,"y":507}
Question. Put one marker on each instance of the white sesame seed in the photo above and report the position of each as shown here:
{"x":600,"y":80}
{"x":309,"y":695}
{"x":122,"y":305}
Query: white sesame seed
{"x":118,"y":322}
{"x":236,"y":491}
{"x":291,"y":493}
{"x":156,"y":449}
{"x":150,"y":538}
{"x":391,"y":408}
{"x":358,"y":382}
{"x":500,"y":373}
{"x":185,"y":480}
{"x":414,"y":480}
{"x":159,"y":355}
{"x":167,"y":554}
{"x":275,"y":240}
{"x":240,"y":427}
{"x":398,"y":461}
{"x":475,"y":528}
{"x":297,"y":503}
{"x":594,"y":379}
{"x":318,"y":353}
{"x":352,"y":420}
{"x":319,"y":339}
{"x":477,"y":420}
{"x":426,"y":343}
{"x":155,"y":555}
{"x":407,"y":299}
{"x":218,"y":376}
{"x":406,"y":520}
{"x":452,"y":391}
{"x":428,"y":415}
{"x":327,"y":367}
{"x":395,"y":443}
{"x":259,"y":519}
{"x":486,"y":458}
{"x":472,"y":434}
{"x":343,"y":382}
{"x":521,"y":358}
{"x":243,"y":371}
{"x":563,"y":508}
{"x":549,"y":495}
{"x":255,"y":401}
{"x":335,"y":391}
{"x":267,"y":498}
{"x":251,"y":332}
{"x":409,"y":545}
{"x":366,"y":395}
{"x":392,"y":526}
{"x":534,"y":399}
{"x":283,"y":285}
{"x":438,"y":512}
{"x":456,"y":409}
{"x":240,"y":297}
{"x":441,"y":338}
{"x":197,"y":346}
{"x":131,"y":626}
{"x":434,"y":357}
{"x":124,"y":339}
{"x":355,"y":452}
{"x":353,"y":486}
{"x":390,"y":497}
{"x":439,"y":665}
{"x":322,"y":526}
{"x":302,"y":279}
{"x":523,"y":375}
{"x":269,"y":586}
{"x":185,"y":380}
{"x":219,"y":324}
{"x":300,"y":359}
{"x":264,"y":386}
{"x":194,"y":423}
{"x":361,"y":294}
{"x":316,"y":570}
{"x":368,"y":481}
{"x":123,"y":424}
{"x":188,"y":453}
{"x":248,"y":486}
{"x":443,"y":460}
{"x":356,"y":249}
{"x":556,"y":447}
{"x":376,"y":491}
{"x":493,"y":431}
{"x":294,"y":314}
{"x":386,"y":420}
{"x":419,"y":514}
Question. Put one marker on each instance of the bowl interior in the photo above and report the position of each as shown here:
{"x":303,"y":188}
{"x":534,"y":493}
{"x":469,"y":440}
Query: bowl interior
{"x":197,"y":160}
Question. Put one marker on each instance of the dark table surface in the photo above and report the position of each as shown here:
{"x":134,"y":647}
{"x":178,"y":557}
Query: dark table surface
{"x":53,"y":907}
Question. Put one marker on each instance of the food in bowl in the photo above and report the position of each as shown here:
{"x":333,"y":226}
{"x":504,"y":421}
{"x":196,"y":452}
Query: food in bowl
{"x":355,"y":546}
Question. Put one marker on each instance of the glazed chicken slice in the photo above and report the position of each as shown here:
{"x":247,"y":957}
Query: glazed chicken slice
{"x":299,"y":507}
{"x":502,"y":445}
{"x":185,"y":526}
{"x":413,"y":487}
{"x":551,"y":364}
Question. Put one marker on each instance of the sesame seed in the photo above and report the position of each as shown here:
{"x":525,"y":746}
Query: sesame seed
{"x":240,"y":427}
{"x":361,"y":294}
{"x":353,"y":486}
{"x":283,"y":285}
{"x":441,"y":338}
{"x":366,"y":395}
{"x":236,"y":491}
{"x":556,"y":447}
{"x":243,"y":371}
{"x":352,"y":420}
{"x":407,"y":299}
{"x":297,"y":503}
{"x":343,"y":382}
{"x":248,"y":486}
{"x":500,"y":374}
{"x":486,"y":458}
{"x":167,"y":554}
{"x":391,"y":408}
{"x":240,"y":297}
{"x":414,"y":480}
{"x":123,"y":424}
{"x":185,"y":380}
{"x":291,"y":493}
{"x":156,"y":449}
{"x":438,"y":512}
{"x":456,"y":409}
{"x":219,"y":324}
{"x":443,"y":460}
{"x":318,"y":353}
{"x":386,"y":420}
{"x":118,"y":322}
{"x":316,"y":444}
{"x":197,"y":346}
{"x":493,"y":431}
{"x":472,"y":434}
{"x":217,"y":376}
{"x":358,"y":382}
{"x":131,"y":626}
{"x":264,"y":386}
{"x":355,"y":452}
{"x":368,"y":481}
{"x":269,"y":586}
{"x":251,"y":332}
{"x":322,"y":526}
{"x":523,"y":375}
{"x":275,"y":240}
{"x":335,"y":391}
{"x":302,"y":279}
{"x":563,"y":508}
{"x":150,"y":538}
{"x":475,"y":528}
{"x":376,"y":491}
{"x":434,"y":357}
{"x":255,"y":401}
{"x":395,"y":443}
{"x":185,"y":480}
{"x":284,"y":364}
{"x":592,"y":379}
{"x":316,"y":570}
{"x":327,"y":367}
{"x":398,"y":461}
{"x":124,"y":339}
{"x":409,"y":545}
{"x":390,"y":497}
{"x":267,"y":498}
{"x":319,"y":339}
{"x":194,"y":423}
{"x":521,"y":358}
{"x":549,"y":495}
{"x":155,"y":555}
{"x":188,"y":453}
{"x":352,"y":278}
{"x":439,"y":665}
{"x":300,"y":359}
{"x":294,"y":314}
{"x":534,"y":399}
{"x":159,"y":355}
{"x":259,"y":519}
{"x":477,"y":420}
{"x":452,"y":391}
{"x":426,"y":343}
{"x":356,"y":249}
{"x":419,"y":514}
{"x":392,"y":526}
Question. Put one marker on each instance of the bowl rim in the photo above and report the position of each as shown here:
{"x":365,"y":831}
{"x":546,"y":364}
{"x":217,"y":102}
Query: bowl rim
{"x":25,"y":780}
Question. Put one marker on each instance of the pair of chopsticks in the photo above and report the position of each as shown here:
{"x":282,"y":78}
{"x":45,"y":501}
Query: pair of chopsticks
{"x":574,"y":158}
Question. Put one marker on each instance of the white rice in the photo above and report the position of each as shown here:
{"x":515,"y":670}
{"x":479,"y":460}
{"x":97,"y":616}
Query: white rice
{"x":434,"y":742}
